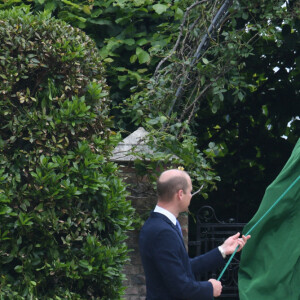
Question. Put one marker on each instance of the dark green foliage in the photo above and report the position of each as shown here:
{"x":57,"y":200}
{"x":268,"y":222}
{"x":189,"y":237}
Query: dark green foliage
{"x":45,"y":59}
{"x":259,"y":132}
{"x":244,"y":106}
{"x":131,"y":36}
{"x":62,"y":205}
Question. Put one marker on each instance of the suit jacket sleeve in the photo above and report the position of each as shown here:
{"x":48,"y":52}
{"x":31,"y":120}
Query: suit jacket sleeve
{"x":171,"y":260}
{"x":207,"y":262}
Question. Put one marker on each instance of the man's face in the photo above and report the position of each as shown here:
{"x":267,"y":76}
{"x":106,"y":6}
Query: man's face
{"x":186,"y":197}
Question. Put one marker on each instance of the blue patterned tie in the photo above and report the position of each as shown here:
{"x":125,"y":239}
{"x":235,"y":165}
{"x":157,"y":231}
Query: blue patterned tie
{"x":178,"y":227}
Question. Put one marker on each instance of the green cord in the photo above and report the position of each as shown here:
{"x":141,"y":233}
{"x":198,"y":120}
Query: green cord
{"x":266,"y":213}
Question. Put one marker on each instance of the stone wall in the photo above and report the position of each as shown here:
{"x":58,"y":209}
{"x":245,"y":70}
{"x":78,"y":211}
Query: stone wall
{"x":143,"y":199}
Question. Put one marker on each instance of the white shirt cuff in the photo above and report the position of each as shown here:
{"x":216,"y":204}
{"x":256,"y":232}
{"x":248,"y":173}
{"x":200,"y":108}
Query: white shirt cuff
{"x":222,"y":251}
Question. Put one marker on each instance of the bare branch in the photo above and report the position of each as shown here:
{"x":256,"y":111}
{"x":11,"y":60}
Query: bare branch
{"x":179,"y":36}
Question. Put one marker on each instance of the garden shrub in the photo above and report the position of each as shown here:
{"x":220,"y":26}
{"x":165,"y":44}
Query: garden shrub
{"x":132,"y":37}
{"x":63,"y":212}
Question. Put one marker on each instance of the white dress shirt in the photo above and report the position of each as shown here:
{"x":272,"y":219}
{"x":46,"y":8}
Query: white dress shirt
{"x":166,"y":213}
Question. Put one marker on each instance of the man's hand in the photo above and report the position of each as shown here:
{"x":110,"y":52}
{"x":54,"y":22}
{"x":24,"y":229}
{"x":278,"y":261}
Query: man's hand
{"x":232,"y":242}
{"x":217,"y":287}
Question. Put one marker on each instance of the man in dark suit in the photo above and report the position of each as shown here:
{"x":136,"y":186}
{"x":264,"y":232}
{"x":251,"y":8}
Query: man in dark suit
{"x":170,"y":273}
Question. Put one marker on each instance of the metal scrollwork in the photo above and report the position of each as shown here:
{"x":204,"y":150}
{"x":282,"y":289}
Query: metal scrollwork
{"x":211,"y":232}
{"x":206,"y":214}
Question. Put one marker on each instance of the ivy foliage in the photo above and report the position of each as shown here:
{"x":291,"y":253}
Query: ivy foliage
{"x":132,"y":37}
{"x":207,"y":62}
{"x":62,"y":203}
{"x":205,"y":84}
{"x":259,"y":132}
{"x":149,"y":49}
{"x":129,"y":34}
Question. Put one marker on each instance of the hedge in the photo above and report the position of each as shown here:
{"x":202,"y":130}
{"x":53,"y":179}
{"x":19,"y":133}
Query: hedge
{"x":63,"y":208}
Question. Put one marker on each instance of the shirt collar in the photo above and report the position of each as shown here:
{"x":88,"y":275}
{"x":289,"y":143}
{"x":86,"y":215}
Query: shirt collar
{"x":166,"y":213}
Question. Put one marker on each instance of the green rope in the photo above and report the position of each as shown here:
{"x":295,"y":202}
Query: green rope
{"x":265,"y":214}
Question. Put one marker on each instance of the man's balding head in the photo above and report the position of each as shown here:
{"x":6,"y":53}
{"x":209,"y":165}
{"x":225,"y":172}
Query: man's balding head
{"x":170,"y":182}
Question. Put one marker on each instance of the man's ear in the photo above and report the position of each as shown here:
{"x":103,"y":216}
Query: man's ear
{"x":180,"y":193}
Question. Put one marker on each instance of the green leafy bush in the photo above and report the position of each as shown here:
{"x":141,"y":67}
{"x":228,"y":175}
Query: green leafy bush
{"x":131,"y":35}
{"x":62,"y":205}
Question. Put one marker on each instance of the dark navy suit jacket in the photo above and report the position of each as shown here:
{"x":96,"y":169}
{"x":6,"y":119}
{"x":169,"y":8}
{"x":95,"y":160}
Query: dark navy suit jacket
{"x":170,"y":273}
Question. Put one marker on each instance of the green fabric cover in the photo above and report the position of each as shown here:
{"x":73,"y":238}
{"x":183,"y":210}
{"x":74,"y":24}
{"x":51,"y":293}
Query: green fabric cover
{"x":270,"y":261}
